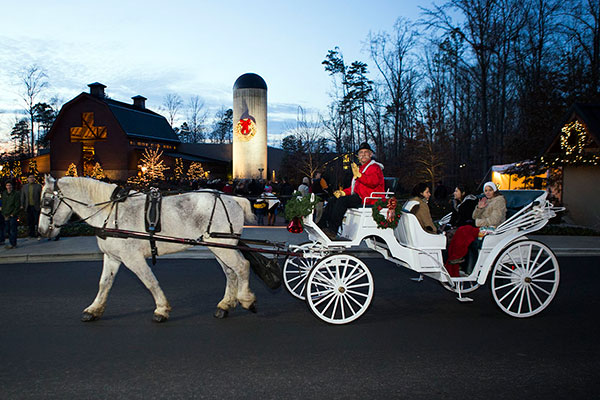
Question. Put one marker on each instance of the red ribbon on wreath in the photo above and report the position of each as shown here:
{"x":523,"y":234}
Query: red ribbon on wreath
{"x":391,"y":206}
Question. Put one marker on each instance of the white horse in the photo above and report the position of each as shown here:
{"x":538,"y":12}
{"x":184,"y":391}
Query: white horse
{"x":183,"y":216}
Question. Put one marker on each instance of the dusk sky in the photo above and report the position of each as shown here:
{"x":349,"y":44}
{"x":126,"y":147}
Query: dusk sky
{"x":189,"y":48}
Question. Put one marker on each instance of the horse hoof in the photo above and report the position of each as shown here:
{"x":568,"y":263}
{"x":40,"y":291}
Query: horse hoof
{"x":159,"y":318}
{"x":220,"y":313}
{"x":88,"y":317}
{"x":252,"y":308}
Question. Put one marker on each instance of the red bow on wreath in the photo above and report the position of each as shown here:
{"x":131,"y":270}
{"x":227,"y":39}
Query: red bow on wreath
{"x":391,"y":206}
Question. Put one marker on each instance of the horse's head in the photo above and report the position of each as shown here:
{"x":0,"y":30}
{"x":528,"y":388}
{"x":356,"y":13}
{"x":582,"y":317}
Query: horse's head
{"x":54,"y":211}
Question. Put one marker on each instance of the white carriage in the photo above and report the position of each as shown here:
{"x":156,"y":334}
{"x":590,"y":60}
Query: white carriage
{"x":338,"y":287}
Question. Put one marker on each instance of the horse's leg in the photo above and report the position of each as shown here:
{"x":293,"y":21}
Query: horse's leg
{"x":109,"y":271}
{"x":229,"y":300}
{"x":140,"y":268}
{"x":236,"y":261}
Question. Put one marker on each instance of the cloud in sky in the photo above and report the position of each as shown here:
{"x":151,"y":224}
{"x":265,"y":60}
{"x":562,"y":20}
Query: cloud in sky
{"x":187,"y":47}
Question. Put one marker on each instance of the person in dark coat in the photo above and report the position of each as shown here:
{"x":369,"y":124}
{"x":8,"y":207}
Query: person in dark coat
{"x":463,"y":205}
{"x":30,"y":202}
{"x":11,"y":204}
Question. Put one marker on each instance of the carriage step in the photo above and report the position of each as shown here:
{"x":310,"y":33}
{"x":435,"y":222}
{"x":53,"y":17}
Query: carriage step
{"x":464,"y":299}
{"x":419,"y":279}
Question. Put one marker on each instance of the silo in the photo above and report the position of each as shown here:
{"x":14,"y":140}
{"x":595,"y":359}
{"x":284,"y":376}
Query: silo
{"x":249,"y":127}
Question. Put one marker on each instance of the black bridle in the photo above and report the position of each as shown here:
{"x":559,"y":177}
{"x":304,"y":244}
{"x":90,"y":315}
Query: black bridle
{"x":48,"y":202}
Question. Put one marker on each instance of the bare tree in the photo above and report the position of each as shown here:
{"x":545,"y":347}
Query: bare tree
{"x":391,"y":55}
{"x":34,"y":80}
{"x":197,"y":115}
{"x":172,"y":104}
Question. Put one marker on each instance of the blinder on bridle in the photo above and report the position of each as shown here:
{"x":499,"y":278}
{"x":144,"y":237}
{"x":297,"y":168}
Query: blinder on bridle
{"x":48,"y":202}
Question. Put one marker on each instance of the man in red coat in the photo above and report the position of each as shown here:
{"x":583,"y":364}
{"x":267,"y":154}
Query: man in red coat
{"x":367,"y":178}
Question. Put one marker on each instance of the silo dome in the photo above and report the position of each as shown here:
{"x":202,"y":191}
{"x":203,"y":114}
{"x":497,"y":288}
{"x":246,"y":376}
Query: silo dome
{"x":250,"y":81}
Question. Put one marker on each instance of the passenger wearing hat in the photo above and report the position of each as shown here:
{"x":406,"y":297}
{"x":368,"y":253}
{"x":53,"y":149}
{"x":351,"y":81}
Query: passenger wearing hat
{"x":367,"y":178}
{"x":489,"y":213}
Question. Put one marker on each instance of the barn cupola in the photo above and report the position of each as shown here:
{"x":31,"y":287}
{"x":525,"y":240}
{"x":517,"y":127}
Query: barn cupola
{"x":139,"y":101}
{"x":97,"y":89}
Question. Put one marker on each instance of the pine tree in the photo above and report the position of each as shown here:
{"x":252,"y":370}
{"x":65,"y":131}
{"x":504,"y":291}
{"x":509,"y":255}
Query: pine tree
{"x":72,"y":170}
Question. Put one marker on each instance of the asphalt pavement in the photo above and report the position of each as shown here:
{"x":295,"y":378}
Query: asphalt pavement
{"x":415,"y":341}
{"x":85,"y":248}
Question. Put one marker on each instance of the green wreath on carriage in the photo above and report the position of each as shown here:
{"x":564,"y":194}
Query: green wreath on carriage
{"x":393,"y":214}
{"x":298,"y":207}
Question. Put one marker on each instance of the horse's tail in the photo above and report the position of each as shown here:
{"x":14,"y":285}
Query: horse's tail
{"x":249,"y":217}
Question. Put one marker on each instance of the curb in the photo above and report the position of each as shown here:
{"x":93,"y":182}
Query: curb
{"x":206,"y":254}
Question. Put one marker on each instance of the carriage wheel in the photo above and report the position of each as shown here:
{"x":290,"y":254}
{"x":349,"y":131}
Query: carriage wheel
{"x":465,"y":286}
{"x":339,"y":289}
{"x":525,"y":278}
{"x":296,"y":269}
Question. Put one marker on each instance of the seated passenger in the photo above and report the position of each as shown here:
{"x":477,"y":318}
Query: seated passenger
{"x":463,"y":205}
{"x":489,"y":213}
{"x":367,"y":178}
{"x":421,"y":194}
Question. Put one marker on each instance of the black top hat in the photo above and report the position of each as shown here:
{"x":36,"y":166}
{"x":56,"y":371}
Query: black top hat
{"x":365,"y":146}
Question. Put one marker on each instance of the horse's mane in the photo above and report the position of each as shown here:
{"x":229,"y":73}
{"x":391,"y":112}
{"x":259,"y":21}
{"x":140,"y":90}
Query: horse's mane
{"x":96,"y":191}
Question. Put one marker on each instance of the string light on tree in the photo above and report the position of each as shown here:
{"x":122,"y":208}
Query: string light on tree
{"x":178,"y":172}
{"x":98,"y":172}
{"x":197,"y":172}
{"x":33,"y":168}
{"x":72,"y":170}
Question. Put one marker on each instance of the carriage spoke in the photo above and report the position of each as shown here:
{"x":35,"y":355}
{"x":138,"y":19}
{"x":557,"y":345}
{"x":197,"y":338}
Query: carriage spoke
{"x":357,"y":293}
{"x":515,"y":297}
{"x":322,"y":299}
{"x":540,"y":302}
{"x":356,"y":277}
{"x":537,"y":258}
{"x":354,"y":300}
{"x":540,"y":288}
{"x":330,"y":302}
{"x":301,"y":283}
{"x":540,"y":266}
{"x":528,"y":298}
{"x":319,"y":293}
{"x":349,"y":305}
{"x":545,"y":281}
{"x":542,"y":273}
{"x":521,"y":299}
{"x":513,"y":260}
{"x":505,"y":285}
{"x":508,"y":293}
{"x":358,"y":285}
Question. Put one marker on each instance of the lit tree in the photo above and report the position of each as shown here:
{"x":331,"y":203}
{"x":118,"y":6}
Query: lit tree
{"x":178,"y":169}
{"x":17,"y":171}
{"x":197,"y":172}
{"x":98,"y":172}
{"x":5,"y":169}
{"x":151,"y":168}
{"x":72,"y":170}
{"x":33,"y":168}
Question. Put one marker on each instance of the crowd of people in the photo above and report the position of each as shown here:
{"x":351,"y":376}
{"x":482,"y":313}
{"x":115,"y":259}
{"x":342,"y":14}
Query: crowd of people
{"x":15,"y":199}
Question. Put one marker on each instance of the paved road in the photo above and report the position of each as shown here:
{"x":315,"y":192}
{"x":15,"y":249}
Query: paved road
{"x":415,"y":341}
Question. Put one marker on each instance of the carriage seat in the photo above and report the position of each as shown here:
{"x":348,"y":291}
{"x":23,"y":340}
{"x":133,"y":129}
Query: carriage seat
{"x":409,"y":231}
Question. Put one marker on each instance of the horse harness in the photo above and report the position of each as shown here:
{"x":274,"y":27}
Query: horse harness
{"x":152,"y":212}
